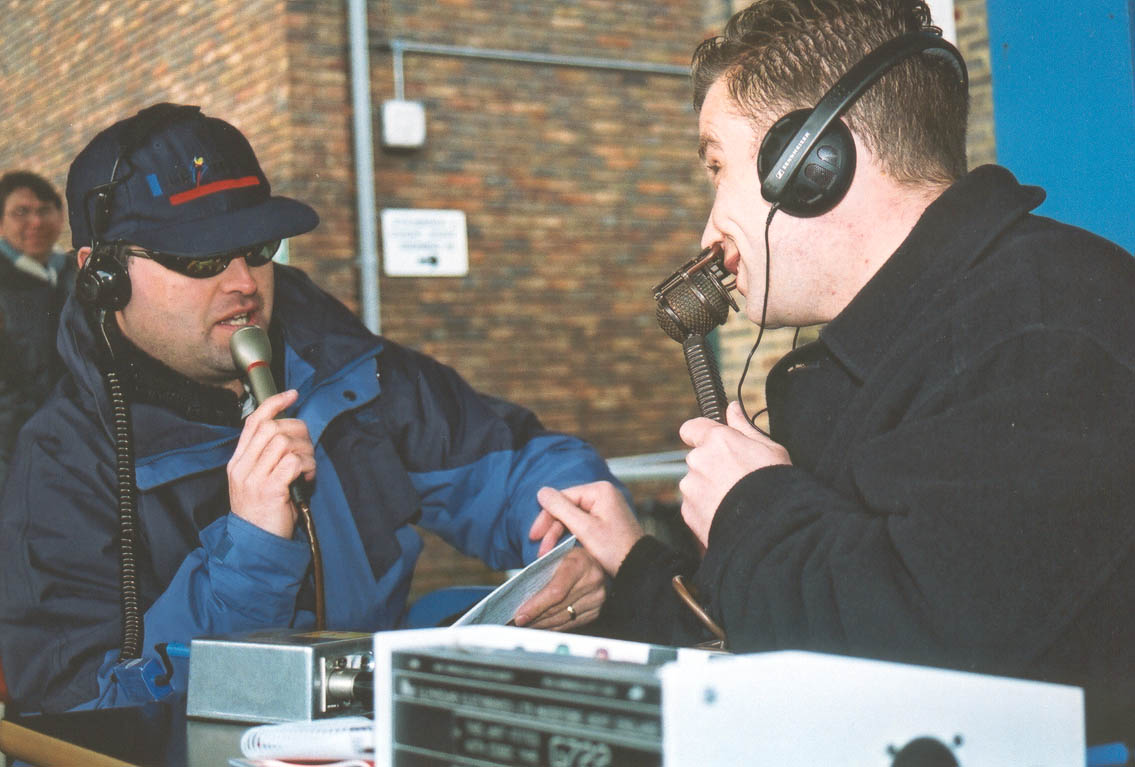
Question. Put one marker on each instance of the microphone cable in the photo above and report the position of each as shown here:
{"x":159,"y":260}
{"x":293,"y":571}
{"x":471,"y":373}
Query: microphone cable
{"x":252,"y":355}
{"x":133,"y":627}
{"x":760,"y":333}
{"x":303,"y":506}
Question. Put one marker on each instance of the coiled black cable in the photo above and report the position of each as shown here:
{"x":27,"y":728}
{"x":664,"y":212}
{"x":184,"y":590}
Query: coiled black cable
{"x":132,"y":628}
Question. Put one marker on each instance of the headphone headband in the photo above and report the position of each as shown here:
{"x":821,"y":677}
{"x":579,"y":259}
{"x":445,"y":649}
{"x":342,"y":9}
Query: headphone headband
{"x":844,"y":93}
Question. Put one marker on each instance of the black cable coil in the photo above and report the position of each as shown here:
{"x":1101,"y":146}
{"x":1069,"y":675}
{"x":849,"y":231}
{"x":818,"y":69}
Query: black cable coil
{"x":132,"y":627}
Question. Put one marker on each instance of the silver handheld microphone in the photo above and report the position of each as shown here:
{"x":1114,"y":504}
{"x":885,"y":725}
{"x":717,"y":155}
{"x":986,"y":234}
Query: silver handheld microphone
{"x":252,"y":354}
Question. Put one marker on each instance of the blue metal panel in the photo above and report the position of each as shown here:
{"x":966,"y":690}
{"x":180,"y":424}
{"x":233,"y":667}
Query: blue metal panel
{"x":1064,"y":106}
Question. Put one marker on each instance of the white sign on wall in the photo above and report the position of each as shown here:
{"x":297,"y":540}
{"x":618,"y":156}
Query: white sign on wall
{"x":424,"y":243}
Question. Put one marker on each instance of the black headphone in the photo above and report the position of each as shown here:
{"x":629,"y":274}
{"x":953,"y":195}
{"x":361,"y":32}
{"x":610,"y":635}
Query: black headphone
{"x":807,"y":159}
{"x":103,"y":283}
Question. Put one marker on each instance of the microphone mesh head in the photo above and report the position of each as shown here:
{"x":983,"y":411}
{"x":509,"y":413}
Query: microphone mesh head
{"x":697,"y":314}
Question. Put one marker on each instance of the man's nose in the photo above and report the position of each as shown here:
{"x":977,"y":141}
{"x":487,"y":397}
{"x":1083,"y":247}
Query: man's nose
{"x":710,"y":235}
{"x":238,"y":276}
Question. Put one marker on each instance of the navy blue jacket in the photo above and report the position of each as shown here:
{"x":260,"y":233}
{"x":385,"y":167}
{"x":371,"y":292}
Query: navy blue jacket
{"x":399,"y":438}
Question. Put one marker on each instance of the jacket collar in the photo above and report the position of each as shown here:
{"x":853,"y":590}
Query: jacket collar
{"x":48,"y":272}
{"x":321,"y":330}
{"x":952,"y":234}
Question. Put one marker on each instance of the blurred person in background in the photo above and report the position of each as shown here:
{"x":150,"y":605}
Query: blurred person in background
{"x":35,"y":278}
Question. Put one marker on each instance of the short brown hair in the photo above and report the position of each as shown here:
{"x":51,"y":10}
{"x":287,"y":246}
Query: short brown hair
{"x":782,"y":55}
{"x":25,"y":179}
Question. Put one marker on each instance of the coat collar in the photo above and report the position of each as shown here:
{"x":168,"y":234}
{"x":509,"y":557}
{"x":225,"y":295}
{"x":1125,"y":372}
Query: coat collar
{"x":951,"y":235}
{"x":46,"y":273}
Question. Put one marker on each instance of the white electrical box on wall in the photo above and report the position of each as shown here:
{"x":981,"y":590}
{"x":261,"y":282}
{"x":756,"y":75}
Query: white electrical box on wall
{"x":424,"y":243}
{"x":403,"y":124}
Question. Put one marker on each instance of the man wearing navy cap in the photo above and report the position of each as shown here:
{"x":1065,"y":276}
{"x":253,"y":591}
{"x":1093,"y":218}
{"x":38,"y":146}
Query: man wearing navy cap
{"x":151,"y":443}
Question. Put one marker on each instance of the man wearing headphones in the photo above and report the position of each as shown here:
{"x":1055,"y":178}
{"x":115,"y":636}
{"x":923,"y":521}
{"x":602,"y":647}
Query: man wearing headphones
{"x":947,"y":480}
{"x":150,"y":501}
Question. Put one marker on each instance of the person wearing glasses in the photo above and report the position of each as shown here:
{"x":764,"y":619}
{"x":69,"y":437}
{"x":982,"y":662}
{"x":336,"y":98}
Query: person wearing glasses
{"x":34,"y":280}
{"x":175,"y":228}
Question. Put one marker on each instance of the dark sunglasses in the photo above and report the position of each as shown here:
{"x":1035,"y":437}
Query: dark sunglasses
{"x":203,"y":267}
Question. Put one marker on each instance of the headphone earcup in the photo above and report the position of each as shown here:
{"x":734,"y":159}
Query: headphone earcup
{"x":103,"y":282}
{"x":823,"y":177}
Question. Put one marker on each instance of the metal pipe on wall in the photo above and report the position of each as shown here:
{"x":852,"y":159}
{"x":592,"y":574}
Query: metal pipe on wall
{"x":364,"y":165}
{"x":399,"y":47}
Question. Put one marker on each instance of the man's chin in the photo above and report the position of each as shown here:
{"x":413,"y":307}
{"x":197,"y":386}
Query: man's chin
{"x":222,"y":378}
{"x":770,"y":323}
{"x":39,"y":255}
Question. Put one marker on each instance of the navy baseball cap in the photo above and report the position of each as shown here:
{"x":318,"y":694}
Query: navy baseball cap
{"x":177,"y":181}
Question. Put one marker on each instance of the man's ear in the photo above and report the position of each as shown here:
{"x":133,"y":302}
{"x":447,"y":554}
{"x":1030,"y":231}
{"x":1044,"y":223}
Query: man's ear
{"x":82,"y":254}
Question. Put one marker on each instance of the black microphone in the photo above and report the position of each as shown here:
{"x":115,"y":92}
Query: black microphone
{"x":252,"y":354}
{"x":689,"y":304}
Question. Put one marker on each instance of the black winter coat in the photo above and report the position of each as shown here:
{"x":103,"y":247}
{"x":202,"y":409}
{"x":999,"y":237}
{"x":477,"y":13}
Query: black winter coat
{"x":962,"y":491}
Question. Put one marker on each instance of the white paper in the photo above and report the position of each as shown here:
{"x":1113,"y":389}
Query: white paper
{"x":501,"y":604}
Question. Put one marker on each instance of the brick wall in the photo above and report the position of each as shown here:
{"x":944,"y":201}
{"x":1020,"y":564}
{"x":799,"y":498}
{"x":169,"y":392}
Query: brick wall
{"x":581,"y":190}
{"x":321,"y":160}
{"x":70,"y":69}
{"x":973,"y":42}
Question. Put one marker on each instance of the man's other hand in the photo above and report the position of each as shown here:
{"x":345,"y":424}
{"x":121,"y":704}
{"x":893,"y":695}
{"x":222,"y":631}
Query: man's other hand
{"x":598,"y":515}
{"x":578,"y":583}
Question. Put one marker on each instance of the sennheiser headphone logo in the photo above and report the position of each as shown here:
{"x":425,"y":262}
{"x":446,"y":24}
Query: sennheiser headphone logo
{"x":795,"y":151}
